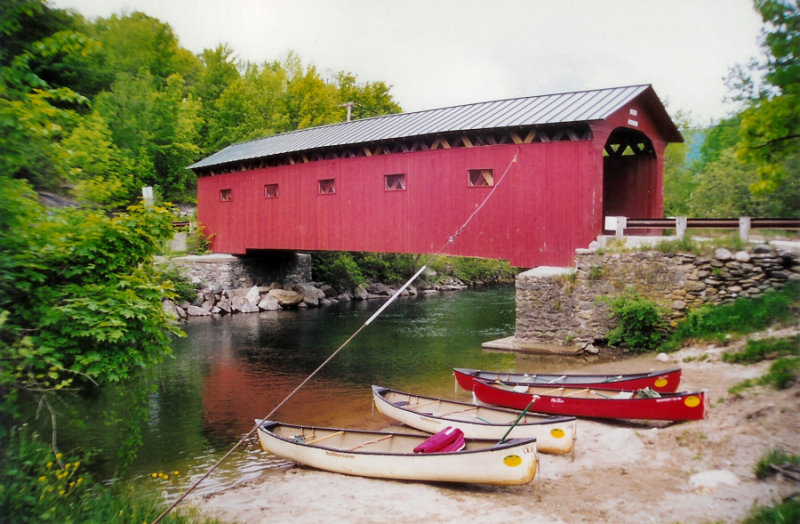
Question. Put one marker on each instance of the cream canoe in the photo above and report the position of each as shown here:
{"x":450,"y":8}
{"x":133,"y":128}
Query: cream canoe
{"x":553,"y":434}
{"x":390,"y":455}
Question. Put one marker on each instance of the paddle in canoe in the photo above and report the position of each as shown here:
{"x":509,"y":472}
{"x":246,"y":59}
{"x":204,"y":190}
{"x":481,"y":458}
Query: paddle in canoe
{"x":553,"y":434}
{"x":595,"y":402}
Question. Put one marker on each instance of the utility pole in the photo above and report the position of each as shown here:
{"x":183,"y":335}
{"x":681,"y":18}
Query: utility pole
{"x":349,"y":106}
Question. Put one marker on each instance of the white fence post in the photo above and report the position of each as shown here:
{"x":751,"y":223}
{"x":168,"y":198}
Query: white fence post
{"x":744,"y":228}
{"x":680,"y":226}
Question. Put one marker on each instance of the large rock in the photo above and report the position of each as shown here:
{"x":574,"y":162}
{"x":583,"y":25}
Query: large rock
{"x":269,"y":303}
{"x":239,"y":302}
{"x":379,"y":289}
{"x":360,"y":293}
{"x":250,"y":308}
{"x":311,"y":295}
{"x":172,"y":310}
{"x":252,"y":295}
{"x":197,"y":311}
{"x":286,"y":298}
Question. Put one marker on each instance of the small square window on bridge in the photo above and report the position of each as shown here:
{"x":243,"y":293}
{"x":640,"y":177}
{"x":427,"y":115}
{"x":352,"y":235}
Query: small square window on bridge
{"x":481,"y":177}
{"x":225,"y":195}
{"x":271,"y":191}
{"x":394,"y":182}
{"x":327,"y":187}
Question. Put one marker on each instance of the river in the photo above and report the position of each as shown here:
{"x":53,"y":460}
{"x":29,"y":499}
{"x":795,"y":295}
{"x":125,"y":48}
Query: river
{"x":230,"y":370}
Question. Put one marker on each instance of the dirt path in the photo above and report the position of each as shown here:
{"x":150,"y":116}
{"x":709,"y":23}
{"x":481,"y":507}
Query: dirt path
{"x":693,"y":472}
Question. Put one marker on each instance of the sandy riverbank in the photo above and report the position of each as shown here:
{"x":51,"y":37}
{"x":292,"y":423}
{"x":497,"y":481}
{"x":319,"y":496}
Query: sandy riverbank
{"x":692,"y":472}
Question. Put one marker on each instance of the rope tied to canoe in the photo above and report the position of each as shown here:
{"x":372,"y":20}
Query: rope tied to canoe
{"x":363,"y":326}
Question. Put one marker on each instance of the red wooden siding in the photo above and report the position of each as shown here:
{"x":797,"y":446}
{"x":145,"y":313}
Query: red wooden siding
{"x":544,"y":208}
{"x":551,"y":202}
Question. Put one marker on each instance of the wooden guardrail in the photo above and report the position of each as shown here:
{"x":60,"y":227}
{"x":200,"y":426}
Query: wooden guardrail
{"x":744,"y":224}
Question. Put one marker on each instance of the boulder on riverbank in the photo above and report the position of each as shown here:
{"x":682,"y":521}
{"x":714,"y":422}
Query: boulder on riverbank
{"x":276,"y":297}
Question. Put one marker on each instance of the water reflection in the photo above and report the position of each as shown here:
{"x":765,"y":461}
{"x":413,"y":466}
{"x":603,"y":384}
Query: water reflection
{"x":231,"y":370}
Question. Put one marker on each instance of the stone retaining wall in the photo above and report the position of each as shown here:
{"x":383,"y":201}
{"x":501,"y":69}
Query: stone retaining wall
{"x":560,"y":306}
{"x":219,"y":272}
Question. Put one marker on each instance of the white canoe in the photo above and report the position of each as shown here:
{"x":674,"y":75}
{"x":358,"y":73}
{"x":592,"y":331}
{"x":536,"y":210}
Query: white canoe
{"x":389,"y":455}
{"x":553,"y":434}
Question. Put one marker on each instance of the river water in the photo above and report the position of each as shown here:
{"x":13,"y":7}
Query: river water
{"x":230,"y":370}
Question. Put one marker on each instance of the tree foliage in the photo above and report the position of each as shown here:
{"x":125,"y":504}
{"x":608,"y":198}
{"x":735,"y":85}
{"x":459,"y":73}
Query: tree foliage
{"x":770,"y":125}
{"x":80,"y":301}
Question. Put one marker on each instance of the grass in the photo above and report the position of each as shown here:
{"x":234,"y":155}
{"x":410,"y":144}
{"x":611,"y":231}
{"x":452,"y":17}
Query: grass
{"x":743,"y":316}
{"x":785,"y":512}
{"x":763,"y":349}
{"x":776,"y":457}
{"x":40,"y":485}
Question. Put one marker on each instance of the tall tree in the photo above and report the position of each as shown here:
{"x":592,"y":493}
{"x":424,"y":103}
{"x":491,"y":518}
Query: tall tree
{"x":770,"y":128}
{"x":370,"y":99}
{"x":156,"y":127}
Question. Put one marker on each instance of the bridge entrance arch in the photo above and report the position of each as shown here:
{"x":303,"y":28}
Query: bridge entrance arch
{"x":631,"y":179}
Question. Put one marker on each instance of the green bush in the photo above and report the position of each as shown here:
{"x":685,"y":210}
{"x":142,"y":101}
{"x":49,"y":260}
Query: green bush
{"x":744,"y":315}
{"x":348,"y":269}
{"x":787,"y":511}
{"x":38,"y":485}
{"x":765,"y":348}
{"x":337,"y":268}
{"x":782,"y":373}
{"x":641,"y":324}
{"x":471,"y":269}
{"x":182,"y":286}
{"x":775,"y":457}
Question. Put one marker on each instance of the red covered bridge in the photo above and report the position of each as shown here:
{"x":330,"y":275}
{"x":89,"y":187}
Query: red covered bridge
{"x":405,"y":183}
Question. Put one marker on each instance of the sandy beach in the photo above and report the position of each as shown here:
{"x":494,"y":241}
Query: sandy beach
{"x":691,"y":472}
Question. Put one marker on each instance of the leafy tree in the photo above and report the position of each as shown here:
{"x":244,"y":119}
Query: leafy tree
{"x":770,"y":127}
{"x":371,"y":99}
{"x":679,"y":183}
{"x":25,"y":22}
{"x":310,"y":101}
{"x":723,"y":189}
{"x":251,"y":107}
{"x":139,"y":43}
{"x":99,"y":171}
{"x":156,"y":127}
{"x":220,"y":70}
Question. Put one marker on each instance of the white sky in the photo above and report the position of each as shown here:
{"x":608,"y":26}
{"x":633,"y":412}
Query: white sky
{"x":437,"y":53}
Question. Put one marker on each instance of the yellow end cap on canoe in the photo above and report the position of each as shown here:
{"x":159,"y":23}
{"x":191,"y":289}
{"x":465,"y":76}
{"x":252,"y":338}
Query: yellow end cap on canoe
{"x":692,"y":401}
{"x":512,"y":460}
{"x":660,"y":382}
{"x":557,"y":433}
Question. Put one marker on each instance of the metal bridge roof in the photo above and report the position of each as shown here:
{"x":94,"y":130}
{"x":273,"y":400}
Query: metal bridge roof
{"x":561,"y":108}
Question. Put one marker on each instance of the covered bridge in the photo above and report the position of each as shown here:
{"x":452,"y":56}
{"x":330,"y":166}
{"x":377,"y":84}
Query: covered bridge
{"x":405,"y":183}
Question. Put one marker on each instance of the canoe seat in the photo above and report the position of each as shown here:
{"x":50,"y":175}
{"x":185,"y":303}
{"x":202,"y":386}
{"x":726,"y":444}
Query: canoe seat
{"x":624,"y":395}
{"x":448,"y":440}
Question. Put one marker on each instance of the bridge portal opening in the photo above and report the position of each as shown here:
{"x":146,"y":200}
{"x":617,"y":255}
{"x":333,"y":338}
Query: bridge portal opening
{"x":630,"y":175}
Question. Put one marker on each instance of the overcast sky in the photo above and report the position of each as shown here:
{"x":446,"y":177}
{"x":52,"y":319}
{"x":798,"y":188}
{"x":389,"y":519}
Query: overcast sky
{"x":437,"y":53}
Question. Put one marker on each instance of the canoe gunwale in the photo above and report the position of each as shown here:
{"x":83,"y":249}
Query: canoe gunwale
{"x":265,"y":425}
{"x":666,"y":406}
{"x":547,"y":418}
{"x":465,"y":377}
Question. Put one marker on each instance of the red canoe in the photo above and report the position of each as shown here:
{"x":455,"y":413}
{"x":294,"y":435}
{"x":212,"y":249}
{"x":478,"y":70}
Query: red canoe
{"x":595,"y":402}
{"x":663,"y":381}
